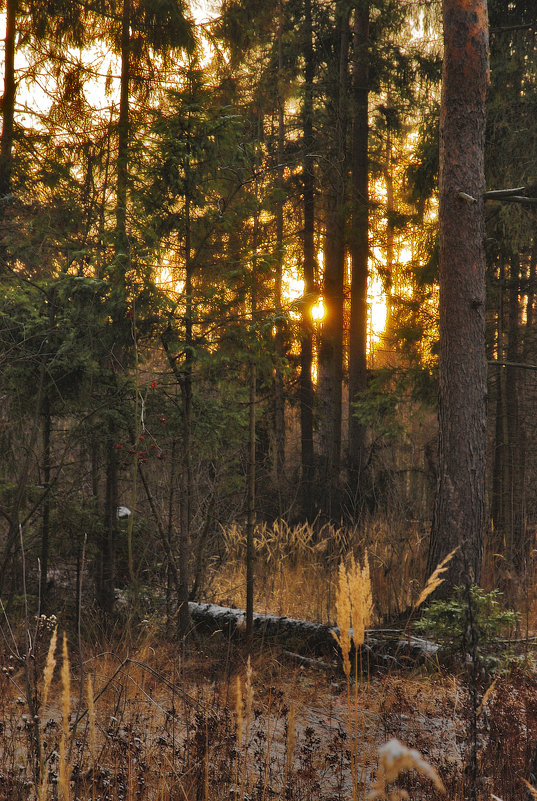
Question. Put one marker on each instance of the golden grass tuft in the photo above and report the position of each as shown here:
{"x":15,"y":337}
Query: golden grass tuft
{"x":343,"y":618}
{"x":354,"y":606}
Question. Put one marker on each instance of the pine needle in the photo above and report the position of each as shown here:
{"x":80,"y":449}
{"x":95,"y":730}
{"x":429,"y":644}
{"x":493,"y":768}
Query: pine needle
{"x":435,"y":580}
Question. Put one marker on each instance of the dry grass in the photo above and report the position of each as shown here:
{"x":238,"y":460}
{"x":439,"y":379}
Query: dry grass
{"x":151,"y":727}
{"x":298,"y":568}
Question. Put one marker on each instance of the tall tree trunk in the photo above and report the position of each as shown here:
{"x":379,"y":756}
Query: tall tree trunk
{"x":45,"y":521}
{"x":515,"y":502}
{"x":388,"y":349}
{"x":331,"y":342}
{"x":306,"y":344}
{"x":279,"y":343}
{"x":107,"y":550}
{"x":250,"y":521}
{"x":8,"y":114}
{"x":122,"y":243}
{"x":500,"y":435}
{"x":359,"y":247}
{"x":460,"y":502}
{"x":185,"y":556}
{"x":251,"y":471}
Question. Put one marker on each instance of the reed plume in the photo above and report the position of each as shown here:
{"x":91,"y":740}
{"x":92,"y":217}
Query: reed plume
{"x":435,"y":579}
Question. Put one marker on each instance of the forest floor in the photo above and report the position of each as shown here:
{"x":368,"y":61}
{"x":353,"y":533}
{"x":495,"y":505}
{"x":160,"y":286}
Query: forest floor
{"x":214,"y":724}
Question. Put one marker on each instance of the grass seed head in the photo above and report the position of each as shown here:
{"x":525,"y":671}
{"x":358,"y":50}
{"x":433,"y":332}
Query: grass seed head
{"x":394,"y":759}
{"x":343,"y":617}
{"x":435,"y":579}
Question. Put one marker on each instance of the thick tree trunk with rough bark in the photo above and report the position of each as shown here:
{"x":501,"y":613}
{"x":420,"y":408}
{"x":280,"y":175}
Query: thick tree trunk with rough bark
{"x":306,"y":344}
{"x":460,"y":504}
{"x":331,"y":341}
{"x":359,"y":247}
{"x":8,"y":115}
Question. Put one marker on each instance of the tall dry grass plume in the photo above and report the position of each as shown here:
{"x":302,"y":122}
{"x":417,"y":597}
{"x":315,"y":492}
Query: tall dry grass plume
{"x":435,"y":579}
{"x":354,"y":605}
{"x":343,"y":618}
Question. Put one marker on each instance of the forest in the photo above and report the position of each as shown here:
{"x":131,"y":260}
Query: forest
{"x":268,"y":306}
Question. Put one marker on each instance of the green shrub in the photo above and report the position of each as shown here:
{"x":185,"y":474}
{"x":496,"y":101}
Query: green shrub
{"x":447,"y":623}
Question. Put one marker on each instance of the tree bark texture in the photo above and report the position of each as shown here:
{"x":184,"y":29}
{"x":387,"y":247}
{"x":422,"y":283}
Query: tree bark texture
{"x":331,"y":344}
{"x":279,"y":337}
{"x":359,"y":246}
{"x":460,"y":503}
{"x":122,"y":244}
{"x":306,"y":343}
{"x":8,"y":114}
{"x":8,"y":98}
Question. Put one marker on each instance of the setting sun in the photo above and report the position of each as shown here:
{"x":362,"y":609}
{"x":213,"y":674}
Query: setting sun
{"x":318,"y":310}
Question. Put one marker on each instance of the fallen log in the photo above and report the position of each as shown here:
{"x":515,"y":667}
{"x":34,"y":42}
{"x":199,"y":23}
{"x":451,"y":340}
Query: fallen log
{"x":381,"y":648}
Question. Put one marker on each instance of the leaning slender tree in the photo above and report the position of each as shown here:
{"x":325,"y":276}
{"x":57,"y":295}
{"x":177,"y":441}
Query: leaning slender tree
{"x":460,"y":503}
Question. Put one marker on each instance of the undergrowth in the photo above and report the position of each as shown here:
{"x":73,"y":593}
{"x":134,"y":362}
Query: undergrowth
{"x":141,"y":719}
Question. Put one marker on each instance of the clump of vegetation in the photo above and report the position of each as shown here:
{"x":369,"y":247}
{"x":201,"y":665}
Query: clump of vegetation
{"x":447,"y":623}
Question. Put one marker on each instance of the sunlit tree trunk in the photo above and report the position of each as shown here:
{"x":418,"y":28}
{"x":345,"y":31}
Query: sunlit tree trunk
{"x":460,"y":503}
{"x":359,"y":247}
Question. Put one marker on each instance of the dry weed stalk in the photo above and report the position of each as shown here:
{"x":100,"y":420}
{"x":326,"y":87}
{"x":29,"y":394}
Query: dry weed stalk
{"x":92,"y":723}
{"x":64,"y":776}
{"x":394,"y":759}
{"x":239,"y":709}
{"x":249,"y":692}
